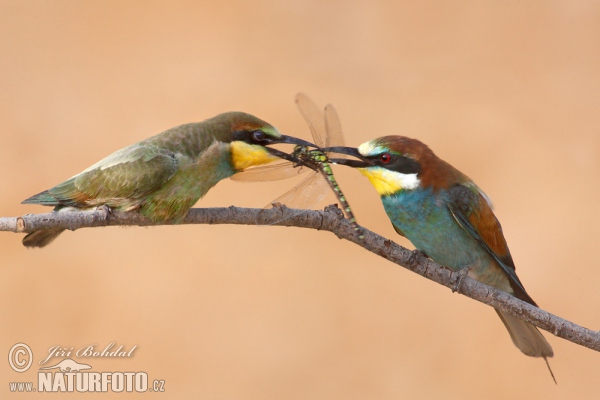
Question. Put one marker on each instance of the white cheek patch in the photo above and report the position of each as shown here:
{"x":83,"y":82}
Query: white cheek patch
{"x":407,"y":181}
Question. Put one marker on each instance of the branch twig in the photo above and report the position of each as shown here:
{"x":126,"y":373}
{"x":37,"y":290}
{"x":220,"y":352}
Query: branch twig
{"x":329,"y":220}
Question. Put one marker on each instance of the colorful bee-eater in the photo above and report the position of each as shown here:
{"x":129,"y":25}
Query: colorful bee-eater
{"x":448,"y":217}
{"x":165,"y":175}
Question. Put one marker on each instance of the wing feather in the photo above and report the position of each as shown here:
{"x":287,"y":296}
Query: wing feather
{"x":129,"y":173}
{"x":474,"y":214}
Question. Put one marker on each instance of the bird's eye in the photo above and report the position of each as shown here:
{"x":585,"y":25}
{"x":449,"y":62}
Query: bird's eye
{"x":259,"y":136}
{"x":385,"y":158}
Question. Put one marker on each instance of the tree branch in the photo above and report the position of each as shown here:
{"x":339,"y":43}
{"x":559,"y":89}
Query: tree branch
{"x":331,"y":219}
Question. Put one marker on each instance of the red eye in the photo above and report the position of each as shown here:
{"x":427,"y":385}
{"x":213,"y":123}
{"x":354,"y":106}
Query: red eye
{"x":385,"y":158}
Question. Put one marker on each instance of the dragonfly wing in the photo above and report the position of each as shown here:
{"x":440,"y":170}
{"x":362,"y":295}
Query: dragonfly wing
{"x":314,"y":118}
{"x":306,"y":194}
{"x":270,"y":172}
{"x":333,"y":127}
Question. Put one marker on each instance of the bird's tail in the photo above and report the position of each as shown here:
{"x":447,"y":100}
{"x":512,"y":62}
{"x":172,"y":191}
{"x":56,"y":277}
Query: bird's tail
{"x":43,"y":198}
{"x":42,"y":237}
{"x":527,"y":338}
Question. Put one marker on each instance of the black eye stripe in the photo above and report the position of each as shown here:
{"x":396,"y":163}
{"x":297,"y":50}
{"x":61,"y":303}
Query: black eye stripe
{"x":398,"y":163}
{"x":257,"y":136}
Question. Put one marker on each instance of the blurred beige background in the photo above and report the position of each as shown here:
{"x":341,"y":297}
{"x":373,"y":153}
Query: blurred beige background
{"x":509,"y":93}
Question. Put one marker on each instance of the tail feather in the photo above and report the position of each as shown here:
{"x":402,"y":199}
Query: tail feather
{"x":44,"y":198}
{"x":41,"y":238}
{"x":527,"y":338}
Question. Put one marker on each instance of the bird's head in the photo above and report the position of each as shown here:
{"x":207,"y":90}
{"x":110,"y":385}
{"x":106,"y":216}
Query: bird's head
{"x":250,"y":137}
{"x":396,"y":163}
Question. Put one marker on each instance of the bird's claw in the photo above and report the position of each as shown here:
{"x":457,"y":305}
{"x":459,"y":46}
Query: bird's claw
{"x":106,"y":209}
{"x":416,"y":256}
{"x":462,"y":274}
{"x":334,"y":209}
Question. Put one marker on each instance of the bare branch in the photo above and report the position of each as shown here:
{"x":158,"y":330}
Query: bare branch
{"x":329,"y":220}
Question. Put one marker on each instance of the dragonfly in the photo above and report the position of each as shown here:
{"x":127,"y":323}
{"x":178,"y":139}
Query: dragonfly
{"x":318,"y":161}
{"x":326,"y":131}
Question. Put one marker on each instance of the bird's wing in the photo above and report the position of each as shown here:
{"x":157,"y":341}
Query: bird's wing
{"x":129,"y":173}
{"x":474,"y":214}
{"x":398,"y":231}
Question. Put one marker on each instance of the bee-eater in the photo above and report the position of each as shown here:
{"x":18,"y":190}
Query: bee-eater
{"x":165,"y":175}
{"x":448,"y":217}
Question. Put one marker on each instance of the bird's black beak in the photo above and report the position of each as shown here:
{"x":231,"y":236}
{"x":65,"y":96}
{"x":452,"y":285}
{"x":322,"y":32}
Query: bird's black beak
{"x":291,"y":140}
{"x":362,"y":161}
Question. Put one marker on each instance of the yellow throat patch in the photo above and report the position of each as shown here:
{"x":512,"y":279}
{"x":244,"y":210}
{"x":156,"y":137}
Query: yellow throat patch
{"x":244,"y":155}
{"x":388,"y":182}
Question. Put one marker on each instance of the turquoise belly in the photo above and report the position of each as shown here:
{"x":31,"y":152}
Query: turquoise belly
{"x":424,"y":218}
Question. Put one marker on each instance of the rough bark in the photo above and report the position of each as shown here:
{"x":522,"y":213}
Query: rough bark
{"x":331,"y":219}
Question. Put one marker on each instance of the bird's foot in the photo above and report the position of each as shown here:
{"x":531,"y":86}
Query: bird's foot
{"x":415,"y":259}
{"x":335,"y":209}
{"x":462,"y":274}
{"x":105,"y":209}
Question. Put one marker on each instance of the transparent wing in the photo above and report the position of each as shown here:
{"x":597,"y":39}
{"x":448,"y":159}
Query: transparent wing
{"x":333,"y":127}
{"x":314,"y":118}
{"x":326,"y":129}
{"x":270,"y":172}
{"x":306,"y":194}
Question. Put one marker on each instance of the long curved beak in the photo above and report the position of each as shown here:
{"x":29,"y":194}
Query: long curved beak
{"x":292,"y":140}
{"x":362,"y":161}
{"x":351,"y":151}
